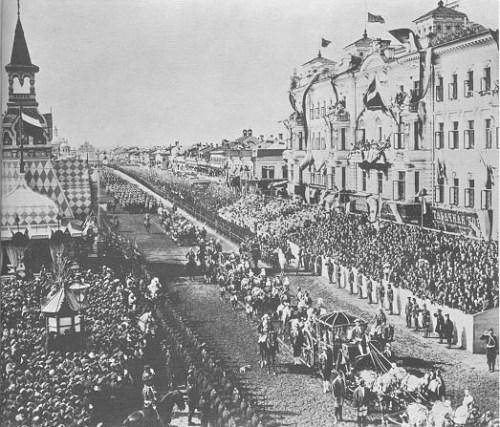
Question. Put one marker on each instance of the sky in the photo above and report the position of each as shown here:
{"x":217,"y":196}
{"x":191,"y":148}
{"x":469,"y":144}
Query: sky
{"x":152,"y":72}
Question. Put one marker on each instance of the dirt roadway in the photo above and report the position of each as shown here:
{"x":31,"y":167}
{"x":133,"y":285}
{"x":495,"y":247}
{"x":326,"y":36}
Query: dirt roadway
{"x":294,"y":397}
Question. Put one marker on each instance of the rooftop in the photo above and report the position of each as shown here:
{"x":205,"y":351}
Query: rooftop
{"x":441,"y":12}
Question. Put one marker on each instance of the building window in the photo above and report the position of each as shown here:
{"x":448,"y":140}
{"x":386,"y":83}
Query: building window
{"x":469,"y":195}
{"x":317,"y":111}
{"x":399,"y":141}
{"x":439,"y":136}
{"x":398,"y":189}
{"x":486,"y":80}
{"x":439,"y":89}
{"x":489,"y":134}
{"x":439,"y":191}
{"x":486,"y":202}
{"x":380,"y":182}
{"x":469,"y":84}
{"x":7,"y":140}
{"x":452,"y":88}
{"x":363,"y":180}
{"x":311,"y":111}
{"x":380,"y":135}
{"x":417,"y":182}
{"x":267,"y":172}
{"x":453,"y":137}
{"x":323,"y":111}
{"x":331,"y":178}
{"x":323,"y":142}
{"x":343,"y":139}
{"x":454,"y":192}
{"x":343,"y":177}
{"x":469,"y":136}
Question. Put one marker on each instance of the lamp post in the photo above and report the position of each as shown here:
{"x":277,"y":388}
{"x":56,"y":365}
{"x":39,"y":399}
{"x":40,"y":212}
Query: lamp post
{"x":80,"y":292}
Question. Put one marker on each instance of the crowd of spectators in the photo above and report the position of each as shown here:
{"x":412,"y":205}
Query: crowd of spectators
{"x":448,"y":269}
{"x":46,"y":385}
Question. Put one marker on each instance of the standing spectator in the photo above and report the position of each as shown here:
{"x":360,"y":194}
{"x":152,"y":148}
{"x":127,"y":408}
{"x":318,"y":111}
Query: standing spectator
{"x":360,"y":402}
{"x":439,"y":325}
{"x":448,"y":329}
{"x":426,"y":321}
{"x":415,"y":313}
{"x":369,"y":290}
{"x":390,"y":298}
{"x":491,"y":348}
{"x":338,"y":389}
{"x":408,"y":312}
{"x":381,"y":295}
{"x":330,"y":269}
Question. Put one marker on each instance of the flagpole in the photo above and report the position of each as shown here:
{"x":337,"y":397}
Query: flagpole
{"x":366,"y":15}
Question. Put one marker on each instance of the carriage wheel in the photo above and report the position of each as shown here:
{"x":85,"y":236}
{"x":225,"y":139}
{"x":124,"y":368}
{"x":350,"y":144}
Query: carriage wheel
{"x":308,"y":350}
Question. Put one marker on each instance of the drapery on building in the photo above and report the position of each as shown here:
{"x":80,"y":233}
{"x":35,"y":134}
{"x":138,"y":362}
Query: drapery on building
{"x":43,"y":202}
{"x":403,"y":126}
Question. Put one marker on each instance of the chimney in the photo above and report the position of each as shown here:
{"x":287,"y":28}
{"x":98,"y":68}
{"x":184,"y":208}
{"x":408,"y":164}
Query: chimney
{"x":245,"y":133}
{"x":249,"y":132}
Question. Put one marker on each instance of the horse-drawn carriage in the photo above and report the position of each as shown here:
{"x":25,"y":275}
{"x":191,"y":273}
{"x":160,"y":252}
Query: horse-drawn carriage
{"x":345,"y":336}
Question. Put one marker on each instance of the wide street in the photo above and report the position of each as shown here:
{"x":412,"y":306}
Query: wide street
{"x":294,"y":397}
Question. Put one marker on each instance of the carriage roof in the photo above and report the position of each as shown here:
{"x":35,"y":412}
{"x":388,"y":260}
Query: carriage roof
{"x":340,"y":319}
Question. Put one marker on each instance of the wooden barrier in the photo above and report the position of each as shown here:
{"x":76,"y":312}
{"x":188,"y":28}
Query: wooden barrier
{"x":467,"y":327}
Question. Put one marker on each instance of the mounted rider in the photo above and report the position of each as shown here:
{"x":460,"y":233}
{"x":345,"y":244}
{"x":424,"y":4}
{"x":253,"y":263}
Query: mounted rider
{"x":149,"y":394}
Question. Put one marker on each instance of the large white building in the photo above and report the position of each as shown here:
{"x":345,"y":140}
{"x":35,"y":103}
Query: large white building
{"x":403,"y":126}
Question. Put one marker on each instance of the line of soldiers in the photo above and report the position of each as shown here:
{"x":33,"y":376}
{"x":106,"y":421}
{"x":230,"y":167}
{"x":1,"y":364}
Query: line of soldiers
{"x":215,"y":392}
{"x":421,"y":319}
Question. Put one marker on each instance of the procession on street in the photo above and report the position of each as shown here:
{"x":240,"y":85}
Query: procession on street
{"x":249,"y":214}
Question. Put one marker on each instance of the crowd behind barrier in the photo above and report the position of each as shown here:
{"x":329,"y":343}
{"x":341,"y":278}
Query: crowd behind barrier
{"x":448,"y":270}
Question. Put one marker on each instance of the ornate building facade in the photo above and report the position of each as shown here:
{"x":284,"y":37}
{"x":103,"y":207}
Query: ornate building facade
{"x":372,"y":132}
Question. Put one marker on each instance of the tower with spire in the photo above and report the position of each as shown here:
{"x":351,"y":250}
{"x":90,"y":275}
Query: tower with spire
{"x":25,"y":131}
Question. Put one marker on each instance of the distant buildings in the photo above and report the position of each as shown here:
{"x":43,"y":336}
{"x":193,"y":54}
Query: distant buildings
{"x":405,"y":127}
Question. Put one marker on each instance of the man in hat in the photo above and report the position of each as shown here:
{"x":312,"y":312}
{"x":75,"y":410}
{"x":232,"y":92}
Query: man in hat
{"x":439,"y":325}
{"x":491,"y":348}
{"x":149,"y":394}
{"x":192,"y":393}
{"x":448,"y":329}
{"x":358,"y":335}
{"x":360,"y":402}
{"x":338,"y":390}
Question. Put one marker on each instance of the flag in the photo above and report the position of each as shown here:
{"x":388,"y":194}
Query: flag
{"x":405,"y":35}
{"x":325,"y":42}
{"x":375,"y":18}
{"x":373,"y":99}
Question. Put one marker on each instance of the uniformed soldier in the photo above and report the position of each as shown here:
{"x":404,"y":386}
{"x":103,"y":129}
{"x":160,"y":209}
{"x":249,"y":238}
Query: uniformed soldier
{"x":149,"y":394}
{"x":192,"y":393}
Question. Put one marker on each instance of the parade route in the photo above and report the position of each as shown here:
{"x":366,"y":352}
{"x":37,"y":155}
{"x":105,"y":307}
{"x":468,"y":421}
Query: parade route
{"x":294,"y":396}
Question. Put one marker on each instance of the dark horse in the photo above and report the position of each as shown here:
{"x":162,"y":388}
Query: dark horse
{"x":148,"y":417}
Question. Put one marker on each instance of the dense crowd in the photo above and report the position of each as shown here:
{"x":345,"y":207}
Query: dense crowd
{"x":448,"y":269}
{"x":61,"y":385}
